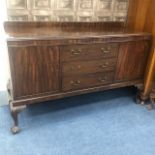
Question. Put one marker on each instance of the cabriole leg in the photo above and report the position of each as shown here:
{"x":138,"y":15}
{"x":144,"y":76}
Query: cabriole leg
{"x":14,"y":113}
{"x":139,"y":98}
{"x":148,"y":81}
{"x":151,"y":105}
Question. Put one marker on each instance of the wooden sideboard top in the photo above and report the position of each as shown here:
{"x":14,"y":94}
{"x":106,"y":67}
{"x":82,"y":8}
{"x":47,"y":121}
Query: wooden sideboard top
{"x":20,"y":31}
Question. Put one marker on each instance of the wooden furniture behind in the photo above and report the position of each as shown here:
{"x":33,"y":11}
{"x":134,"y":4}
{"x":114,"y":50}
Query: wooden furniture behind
{"x":141,"y":17}
{"x":55,"y":60}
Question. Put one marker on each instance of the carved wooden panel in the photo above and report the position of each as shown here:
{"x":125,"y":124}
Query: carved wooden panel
{"x":67,"y":10}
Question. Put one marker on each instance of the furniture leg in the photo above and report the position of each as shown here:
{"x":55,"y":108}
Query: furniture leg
{"x":14,"y":113}
{"x":144,"y":95}
{"x":143,"y":101}
{"x":138,"y":97}
{"x":152,"y":100}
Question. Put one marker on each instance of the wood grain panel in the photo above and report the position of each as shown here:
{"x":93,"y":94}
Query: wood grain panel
{"x":150,"y":18}
{"x":137,"y":14}
{"x":132,"y":61}
{"x":86,"y":81}
{"x":34,"y":70}
{"x":142,"y":17}
{"x":89,"y":52}
{"x":42,"y":28}
{"x":86,"y":67}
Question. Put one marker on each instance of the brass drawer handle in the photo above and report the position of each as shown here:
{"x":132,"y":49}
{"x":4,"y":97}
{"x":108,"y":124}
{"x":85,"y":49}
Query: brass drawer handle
{"x":102,"y":79}
{"x":75,"y":83}
{"x":76,"y":52}
{"x":104,"y":65}
{"x":78,"y":81}
{"x":105,"y":50}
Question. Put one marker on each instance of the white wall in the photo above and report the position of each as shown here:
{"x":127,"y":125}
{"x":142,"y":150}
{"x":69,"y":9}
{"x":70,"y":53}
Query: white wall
{"x":4,"y":73}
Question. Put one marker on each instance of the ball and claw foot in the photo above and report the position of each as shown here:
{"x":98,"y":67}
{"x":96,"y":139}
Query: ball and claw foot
{"x":150,"y":107}
{"x":139,"y":100}
{"x":15,"y":129}
{"x":14,"y":113}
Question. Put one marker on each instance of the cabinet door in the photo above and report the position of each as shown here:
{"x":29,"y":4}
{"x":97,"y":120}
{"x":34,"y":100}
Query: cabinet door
{"x":132,"y":60}
{"x":34,"y":70}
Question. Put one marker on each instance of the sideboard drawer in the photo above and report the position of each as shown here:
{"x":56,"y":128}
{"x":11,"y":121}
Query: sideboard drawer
{"x":86,"y":52}
{"x":86,"y":81}
{"x":86,"y":67}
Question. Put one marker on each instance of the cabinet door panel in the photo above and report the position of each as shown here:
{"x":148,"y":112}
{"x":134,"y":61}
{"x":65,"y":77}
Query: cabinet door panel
{"x":34,"y":70}
{"x":132,"y":60}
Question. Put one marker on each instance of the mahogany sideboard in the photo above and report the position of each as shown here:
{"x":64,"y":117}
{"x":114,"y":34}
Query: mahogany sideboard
{"x":47,"y":65}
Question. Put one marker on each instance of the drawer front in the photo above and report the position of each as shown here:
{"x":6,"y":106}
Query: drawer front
{"x":86,"y":52}
{"x":86,"y":81}
{"x":86,"y":67}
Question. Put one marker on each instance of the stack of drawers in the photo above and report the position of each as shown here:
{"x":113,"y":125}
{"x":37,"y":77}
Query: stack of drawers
{"x":85,"y":66}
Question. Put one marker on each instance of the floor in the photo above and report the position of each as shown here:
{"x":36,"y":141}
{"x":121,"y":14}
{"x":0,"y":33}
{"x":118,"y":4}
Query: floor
{"x":105,"y":123}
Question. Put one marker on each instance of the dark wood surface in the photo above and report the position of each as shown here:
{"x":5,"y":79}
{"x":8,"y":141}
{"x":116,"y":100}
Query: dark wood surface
{"x":49,"y":28}
{"x":34,"y":70}
{"x":49,"y":65}
{"x":20,"y":31}
{"x":88,"y":67}
{"x":86,"y":52}
{"x":50,"y":96}
{"x":132,"y":60}
{"x":87,"y":80}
